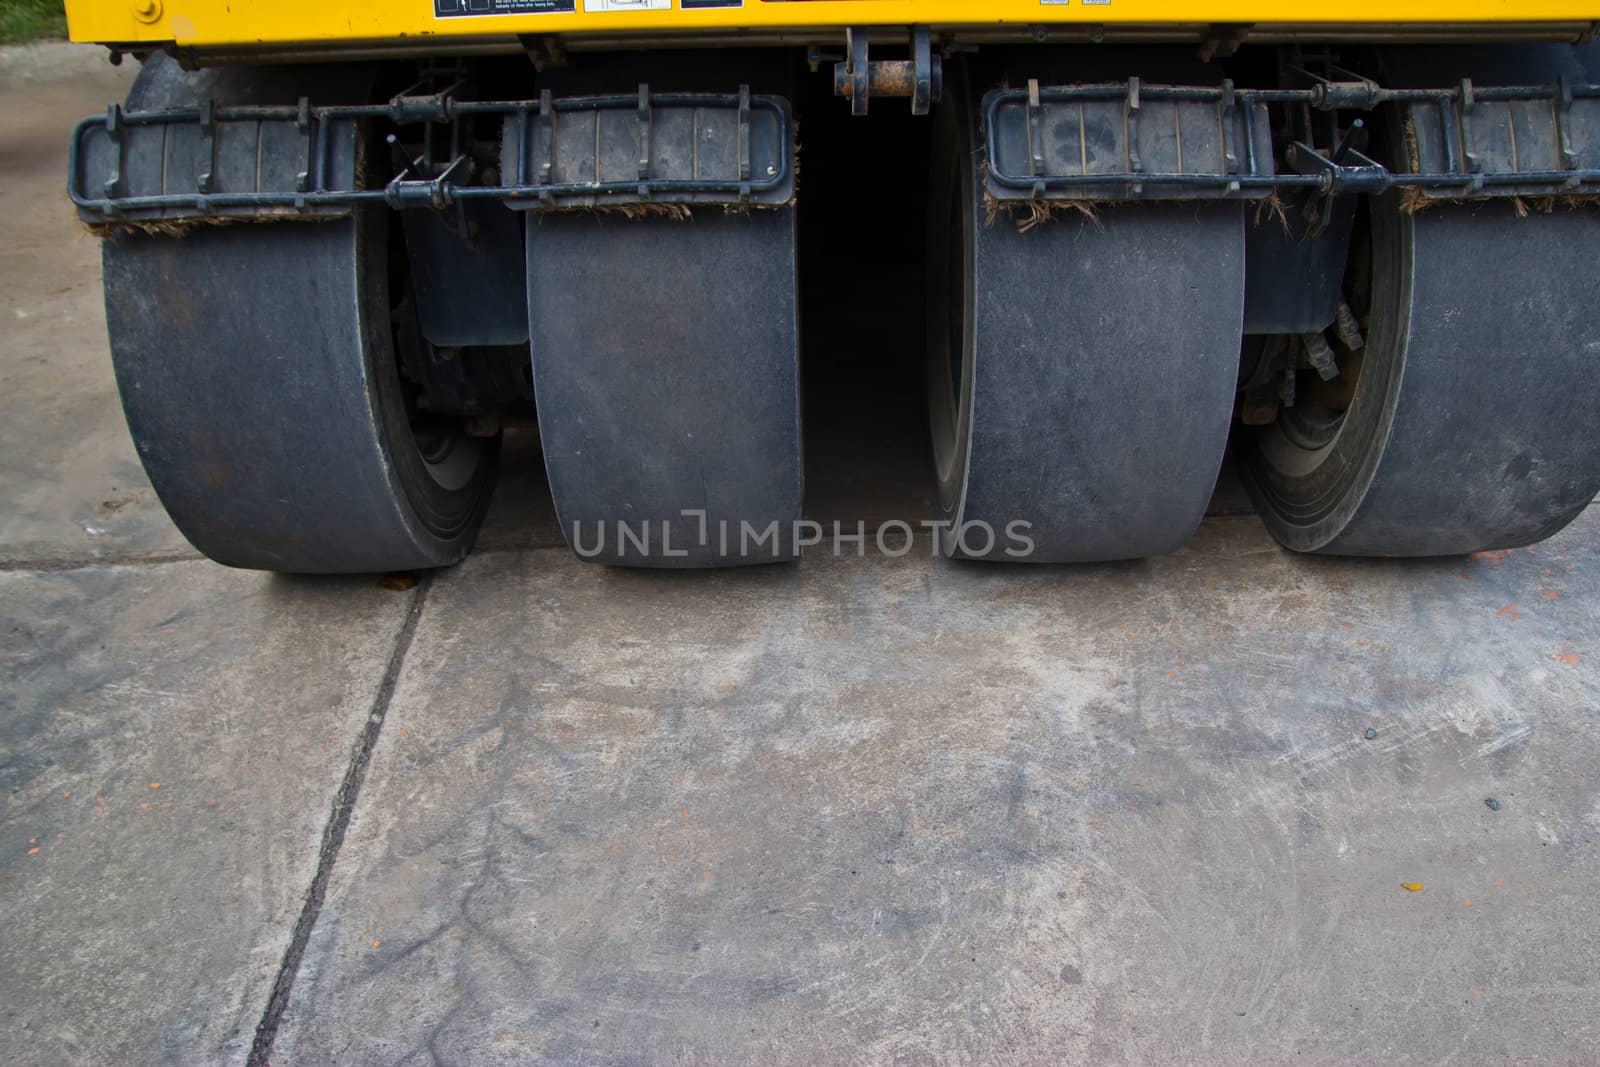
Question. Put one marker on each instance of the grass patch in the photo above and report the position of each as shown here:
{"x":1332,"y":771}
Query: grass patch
{"x":22,"y":21}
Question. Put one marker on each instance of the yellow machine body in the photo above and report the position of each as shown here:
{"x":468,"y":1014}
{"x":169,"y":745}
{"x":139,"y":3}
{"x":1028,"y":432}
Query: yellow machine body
{"x":279,"y":26}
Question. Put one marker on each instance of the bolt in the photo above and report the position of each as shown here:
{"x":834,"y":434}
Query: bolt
{"x":146,"y":10}
{"x":1494,"y":805}
{"x":1372,"y":734}
{"x":1348,"y":328}
{"x":1320,"y":356}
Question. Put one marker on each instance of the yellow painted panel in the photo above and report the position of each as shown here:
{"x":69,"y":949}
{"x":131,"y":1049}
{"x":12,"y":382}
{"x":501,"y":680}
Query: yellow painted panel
{"x":245,"y":22}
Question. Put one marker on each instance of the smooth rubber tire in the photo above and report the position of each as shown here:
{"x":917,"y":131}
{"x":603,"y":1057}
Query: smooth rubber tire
{"x":1475,"y":422}
{"x":258,"y":376}
{"x":258,"y":373}
{"x":666,"y":375}
{"x":1098,"y":360}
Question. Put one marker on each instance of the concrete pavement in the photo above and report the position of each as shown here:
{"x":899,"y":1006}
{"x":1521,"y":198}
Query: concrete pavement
{"x":859,"y":810}
{"x":74,"y":488}
{"x":172,"y":737}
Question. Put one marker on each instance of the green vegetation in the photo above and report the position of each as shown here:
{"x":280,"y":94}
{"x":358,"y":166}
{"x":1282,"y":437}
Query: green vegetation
{"x":22,"y":21}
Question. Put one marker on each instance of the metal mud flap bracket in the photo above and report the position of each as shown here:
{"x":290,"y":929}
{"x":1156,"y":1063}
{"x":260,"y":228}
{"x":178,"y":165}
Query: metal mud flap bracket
{"x":1131,"y":141}
{"x":556,"y":153}
{"x":1125,"y":141}
{"x":649,"y":148}
{"x":1128,"y":141}
{"x":213,"y":162}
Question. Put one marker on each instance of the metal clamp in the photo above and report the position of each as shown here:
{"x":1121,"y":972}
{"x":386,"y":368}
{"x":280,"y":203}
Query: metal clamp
{"x":920,"y":77}
{"x":1355,"y":174}
{"x":302,"y":124}
{"x":114,"y":134}
{"x":1036,"y":167}
{"x":1339,"y":89}
{"x":411,"y":105}
{"x":436,"y":193}
{"x":644,"y":141}
{"x":208,"y":148}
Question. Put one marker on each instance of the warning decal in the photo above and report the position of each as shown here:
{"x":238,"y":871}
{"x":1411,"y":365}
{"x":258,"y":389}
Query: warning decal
{"x":455,"y":8}
{"x":451,"y":8}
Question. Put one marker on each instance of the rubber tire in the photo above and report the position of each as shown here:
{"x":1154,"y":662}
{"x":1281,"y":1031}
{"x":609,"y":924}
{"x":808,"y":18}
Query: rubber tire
{"x":1099,"y":358}
{"x":258,"y":376}
{"x":1475,"y":422}
{"x":1476,"y":418}
{"x":666,"y":375}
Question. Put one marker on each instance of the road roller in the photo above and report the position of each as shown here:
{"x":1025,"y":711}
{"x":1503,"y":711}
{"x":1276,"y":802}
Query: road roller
{"x":348,"y":247}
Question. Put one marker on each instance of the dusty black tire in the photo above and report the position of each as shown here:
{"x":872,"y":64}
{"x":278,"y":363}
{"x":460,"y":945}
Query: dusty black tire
{"x":1474,"y":422}
{"x":666,"y":372}
{"x":1081,"y":374}
{"x":260,"y":381}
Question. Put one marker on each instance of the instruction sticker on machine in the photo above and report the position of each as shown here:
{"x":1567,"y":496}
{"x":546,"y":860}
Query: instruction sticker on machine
{"x":454,"y":8}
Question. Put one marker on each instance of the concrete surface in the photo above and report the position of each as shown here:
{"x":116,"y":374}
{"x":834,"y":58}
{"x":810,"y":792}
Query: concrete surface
{"x":855,"y":809}
{"x":73,"y":485}
{"x":171,"y":740}
{"x":915,"y":812}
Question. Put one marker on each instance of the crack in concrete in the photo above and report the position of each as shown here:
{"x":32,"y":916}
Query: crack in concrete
{"x":51,"y":566}
{"x":344,"y":803}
